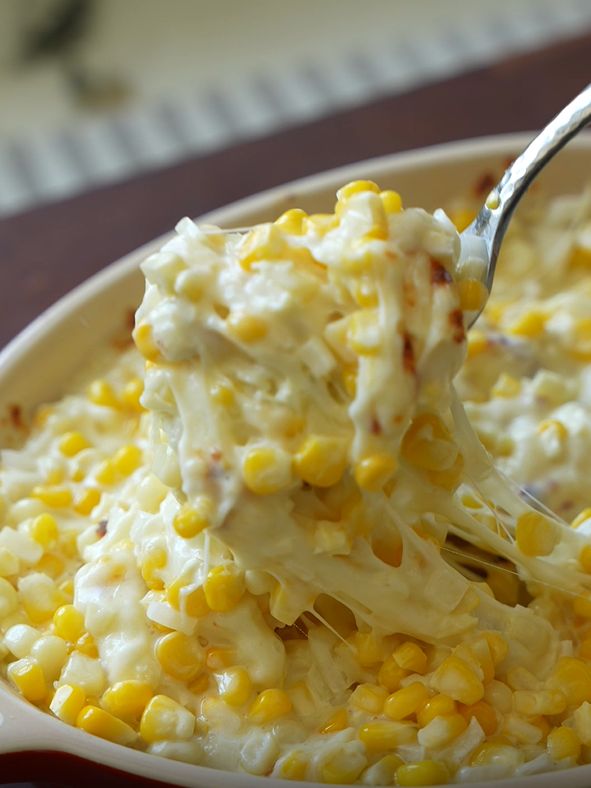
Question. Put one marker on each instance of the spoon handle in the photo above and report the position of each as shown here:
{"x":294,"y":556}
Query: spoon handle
{"x":491,"y":223}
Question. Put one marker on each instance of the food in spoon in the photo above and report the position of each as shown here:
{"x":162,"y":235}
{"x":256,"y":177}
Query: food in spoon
{"x":291,"y":554}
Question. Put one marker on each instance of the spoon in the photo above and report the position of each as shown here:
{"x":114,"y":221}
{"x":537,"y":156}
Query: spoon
{"x":481,"y":240}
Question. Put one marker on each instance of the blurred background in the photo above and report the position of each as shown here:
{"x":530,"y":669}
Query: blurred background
{"x":94,"y":91}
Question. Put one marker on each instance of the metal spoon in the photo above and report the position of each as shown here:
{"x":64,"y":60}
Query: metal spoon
{"x":482,"y":239}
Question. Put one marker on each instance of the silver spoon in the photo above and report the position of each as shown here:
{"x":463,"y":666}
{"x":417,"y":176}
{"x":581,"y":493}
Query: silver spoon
{"x":482,"y":239}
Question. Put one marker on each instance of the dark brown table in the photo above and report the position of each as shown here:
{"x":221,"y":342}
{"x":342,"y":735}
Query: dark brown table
{"x":48,"y":250}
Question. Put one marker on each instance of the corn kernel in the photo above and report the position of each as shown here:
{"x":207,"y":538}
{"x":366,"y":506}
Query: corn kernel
{"x":131,"y":394}
{"x":532,"y":703}
{"x":269,"y":706}
{"x":292,"y":221}
{"x":477,"y":343}
{"x":86,"y":500}
{"x":55,"y":497}
{"x":68,"y":623}
{"x":572,"y":677}
{"x":27,"y":676}
{"x":9,"y":562}
{"x":411,"y":657}
{"x":454,"y":677}
{"x":406,"y":701}
{"x":73,"y":443}
{"x":50,"y":652}
{"x":67,"y":703}
{"x":369,"y":698}
{"x":143,"y":337}
{"x":264,"y":242}
{"x":582,"y":722}
{"x":247,"y":328}
{"x":364,"y":335}
{"x":530,"y":324}
{"x":39,"y":596}
{"x":535,"y":534}
{"x":391,"y":674}
{"x":223,"y":588}
{"x":498,"y":646}
{"x":428,"y":444}
{"x":194,"y":602}
{"x":391,"y":201}
{"x":105,"y":473}
{"x":563,"y":743}
{"x":321,"y":461}
{"x":127,"y":459}
{"x":582,"y":517}
{"x":155,"y":560}
{"x":166,"y":720}
{"x":86,"y":645}
{"x":380,"y":735}
{"x":581,"y":344}
{"x":223,"y":395}
{"x":473,"y":294}
{"x":220,"y":658}
{"x":484,"y":714}
{"x":180,"y":656}
{"x":442,"y":730}
{"x":193,"y":518}
{"x":101,"y":393}
{"x":100,"y":723}
{"x":422,"y":773}
{"x":365,"y":294}
{"x":372,"y":473}
{"x":368,"y":647}
{"x":127,"y":700}
{"x":436,"y":706}
{"x":294,"y":766}
{"x":44,"y":530}
{"x":337,"y":721}
{"x":342,"y":768}
{"x":266,"y":470}
{"x":235,"y":686}
{"x":462,"y":218}
{"x":356,"y":187}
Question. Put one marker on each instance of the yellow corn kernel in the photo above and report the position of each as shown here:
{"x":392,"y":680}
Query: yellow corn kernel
{"x":27,"y":676}
{"x":585,"y":558}
{"x":531,"y":703}
{"x":269,"y":706}
{"x":473,"y":294}
{"x":582,"y":606}
{"x":68,"y":623}
{"x":498,"y":646}
{"x":365,"y":294}
{"x":428,"y":444}
{"x":388,"y":549}
{"x":194,"y":602}
{"x":39,"y":597}
{"x":454,"y":677}
{"x":100,"y":723}
{"x":155,"y":560}
{"x":391,"y":201}
{"x":294,"y":766}
{"x":127,"y":700}
{"x":391,"y":674}
{"x":100,"y":392}
{"x":406,"y":701}
{"x":462,"y":218}
{"x":530,"y":324}
{"x":477,"y":343}
{"x":582,"y":517}
{"x":143,"y":337}
{"x":422,"y":773}
{"x":131,"y":394}
{"x":442,"y":730}
{"x":436,"y":706}
{"x":292,"y":221}
{"x":506,"y":386}
{"x":180,"y":656}
{"x":86,"y":500}
{"x":105,"y":473}
{"x":86,"y":645}
{"x":321,"y":461}
{"x":220,"y":658}
{"x":484,"y":713}
{"x":67,"y":703}
{"x":342,"y":768}
{"x":44,"y":530}
{"x":127,"y":459}
{"x":372,"y":473}
{"x":73,"y":443}
{"x":337,"y":721}
{"x":572,"y":677}
{"x":350,"y":379}
{"x":535,"y":534}
{"x":50,"y":565}
{"x":356,"y":187}
{"x":380,"y":735}
{"x":266,"y":470}
{"x":200,"y":685}
{"x":563,"y":743}
{"x":497,"y":751}
{"x":247,"y":328}
{"x":265,"y":242}
{"x":193,"y":518}
{"x":369,"y":698}
{"x":55,"y":497}
{"x":223,"y":395}
{"x":166,"y":720}
{"x":368,"y":647}
{"x":54,"y":476}
{"x":223,"y":588}
{"x":364,"y":335}
{"x":411,"y":657}
{"x":235,"y":686}
{"x":554,"y":427}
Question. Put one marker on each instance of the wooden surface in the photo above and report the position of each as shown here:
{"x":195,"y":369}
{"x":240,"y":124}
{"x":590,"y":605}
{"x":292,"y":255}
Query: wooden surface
{"x":46,"y":251}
